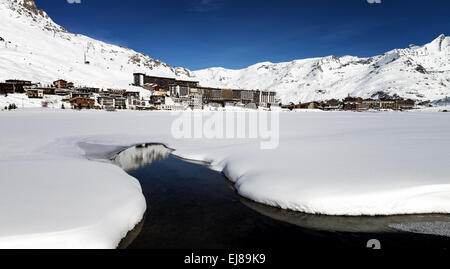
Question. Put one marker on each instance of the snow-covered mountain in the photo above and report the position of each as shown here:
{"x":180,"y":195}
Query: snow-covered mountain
{"x":418,"y":72}
{"x":35,"y":48}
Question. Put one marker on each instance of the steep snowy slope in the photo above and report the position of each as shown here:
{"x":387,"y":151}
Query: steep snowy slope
{"x":33,"y":47}
{"x":421,"y":73}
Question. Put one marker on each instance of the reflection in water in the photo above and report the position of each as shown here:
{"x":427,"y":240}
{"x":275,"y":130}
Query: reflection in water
{"x":141,"y":155}
{"x":364,"y":224}
{"x":191,"y":206}
{"x":131,"y":235}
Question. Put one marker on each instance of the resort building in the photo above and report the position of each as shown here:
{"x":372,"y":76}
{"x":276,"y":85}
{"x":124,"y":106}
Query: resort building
{"x":141,"y":79}
{"x":15,"y":86}
{"x":60,"y":84}
{"x":82,"y":103}
{"x":35,"y":93}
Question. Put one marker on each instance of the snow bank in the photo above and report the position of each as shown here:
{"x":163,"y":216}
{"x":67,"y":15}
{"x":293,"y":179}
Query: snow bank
{"x":334,"y":163}
{"x":53,"y":203}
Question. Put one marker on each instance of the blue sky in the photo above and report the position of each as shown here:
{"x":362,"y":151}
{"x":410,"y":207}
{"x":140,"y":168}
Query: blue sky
{"x":234,"y":34}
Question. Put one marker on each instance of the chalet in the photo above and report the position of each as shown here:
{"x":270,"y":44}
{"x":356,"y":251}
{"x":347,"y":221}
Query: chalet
{"x":60,"y":84}
{"x":120,"y":103}
{"x":77,"y":94}
{"x":19,"y":82}
{"x":106,"y":101}
{"x":87,"y":90}
{"x":309,"y":105}
{"x":15,"y":86}
{"x":70,"y":85}
{"x":35,"y":93}
{"x":82,"y":103}
{"x":7,"y":88}
{"x":132,"y":98}
{"x":332,"y":104}
{"x":112,"y":99}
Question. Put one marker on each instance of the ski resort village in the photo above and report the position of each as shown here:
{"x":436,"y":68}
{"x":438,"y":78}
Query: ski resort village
{"x":160,"y":93}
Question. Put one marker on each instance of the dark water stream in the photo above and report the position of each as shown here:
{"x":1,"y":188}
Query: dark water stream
{"x":193,"y":207}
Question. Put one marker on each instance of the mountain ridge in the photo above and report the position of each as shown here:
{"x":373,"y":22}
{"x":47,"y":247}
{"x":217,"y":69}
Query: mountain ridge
{"x":417,"y":72}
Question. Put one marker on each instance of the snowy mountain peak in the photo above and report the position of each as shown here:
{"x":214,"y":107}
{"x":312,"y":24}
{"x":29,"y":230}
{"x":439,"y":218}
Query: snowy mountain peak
{"x":24,"y":7}
{"x":31,"y":6}
{"x":440,"y":44}
{"x":33,"y":47}
{"x":27,"y":11}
